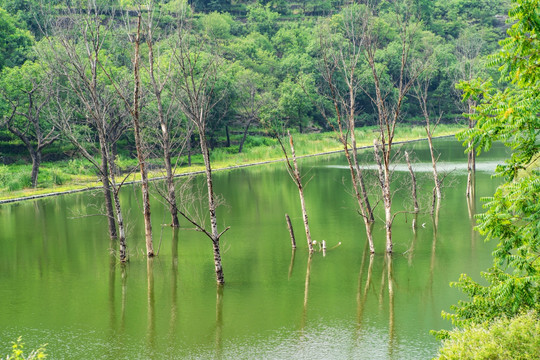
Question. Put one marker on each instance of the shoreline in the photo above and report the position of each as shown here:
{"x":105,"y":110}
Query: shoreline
{"x":198,"y":172}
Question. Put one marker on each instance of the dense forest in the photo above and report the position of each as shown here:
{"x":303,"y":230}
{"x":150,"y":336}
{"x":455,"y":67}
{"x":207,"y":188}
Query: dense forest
{"x":271,"y":54}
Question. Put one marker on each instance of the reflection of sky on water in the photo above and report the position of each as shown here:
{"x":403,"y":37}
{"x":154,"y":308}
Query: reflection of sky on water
{"x":487,"y":166}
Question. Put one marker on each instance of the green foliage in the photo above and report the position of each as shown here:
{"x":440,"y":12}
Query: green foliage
{"x":509,"y":115}
{"x":516,"y":338}
{"x":218,"y":26}
{"x":15,"y":41}
{"x":17,"y":352}
{"x":270,"y":41}
{"x":262,"y":19}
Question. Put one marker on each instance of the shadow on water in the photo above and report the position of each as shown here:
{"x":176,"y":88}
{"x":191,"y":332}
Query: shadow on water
{"x":410,"y":251}
{"x":435,"y":221}
{"x":291,"y":266}
{"x":386,"y":288}
{"x":124,"y":298}
{"x":306,"y":296}
{"x":361,"y":296}
{"x":112,"y":292}
{"x":219,"y":323}
{"x":392,"y":342}
{"x":174,"y":286}
{"x":151,"y":318}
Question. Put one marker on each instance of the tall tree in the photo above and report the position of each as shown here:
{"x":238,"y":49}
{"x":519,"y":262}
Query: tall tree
{"x":133,"y":106}
{"x":197,"y":76}
{"x":72,"y":47}
{"x":26,"y":92}
{"x":341,"y":58}
{"x":390,"y":94}
{"x":159,"y":73}
{"x":469,"y":49}
{"x":429,"y":69}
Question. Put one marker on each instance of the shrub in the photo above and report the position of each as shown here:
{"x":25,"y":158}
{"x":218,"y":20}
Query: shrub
{"x":19,"y":180}
{"x":516,"y":338}
{"x":18,"y":354}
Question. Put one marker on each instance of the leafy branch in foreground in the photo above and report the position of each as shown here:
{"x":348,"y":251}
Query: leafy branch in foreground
{"x":17,"y":352}
{"x":510,"y":116}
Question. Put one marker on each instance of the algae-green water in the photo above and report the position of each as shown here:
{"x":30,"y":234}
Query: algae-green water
{"x":60,"y":283}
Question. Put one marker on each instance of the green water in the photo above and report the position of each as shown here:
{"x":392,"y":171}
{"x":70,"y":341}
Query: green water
{"x":59,"y":284}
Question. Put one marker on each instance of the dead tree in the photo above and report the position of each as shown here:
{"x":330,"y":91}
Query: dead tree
{"x":469,"y":48}
{"x":160,"y":81}
{"x":68,"y":123}
{"x":134,"y":109}
{"x":341,"y":59}
{"x":75,"y":45}
{"x":135,"y":114}
{"x":421,"y":93}
{"x":295,"y":175}
{"x":388,"y":107}
{"x":197,"y":72}
{"x":157,"y":89}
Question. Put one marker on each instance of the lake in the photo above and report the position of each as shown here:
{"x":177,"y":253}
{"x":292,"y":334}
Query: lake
{"x":60,"y":285}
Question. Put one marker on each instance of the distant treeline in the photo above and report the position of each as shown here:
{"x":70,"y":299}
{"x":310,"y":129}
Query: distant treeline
{"x":272,"y":48}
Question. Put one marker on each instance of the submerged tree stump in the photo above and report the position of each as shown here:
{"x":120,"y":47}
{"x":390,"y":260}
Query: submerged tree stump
{"x":291,"y":231}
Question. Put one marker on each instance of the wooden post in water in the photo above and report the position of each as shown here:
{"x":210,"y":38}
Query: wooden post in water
{"x":291,"y":231}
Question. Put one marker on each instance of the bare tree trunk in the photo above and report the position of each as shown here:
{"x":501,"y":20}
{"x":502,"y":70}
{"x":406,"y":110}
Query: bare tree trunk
{"x":110,"y":156}
{"x":157,"y":88}
{"x":357,"y":179}
{"x":36,"y":161}
{"x":245,"y":136}
{"x":387,"y":198}
{"x":228,"y":136}
{"x":189,"y":148}
{"x":107,"y":190}
{"x":384,"y":179}
{"x":298,"y":181}
{"x":138,"y":143}
{"x":471,"y":163}
{"x":291,"y":231}
{"x":413,"y":184}
{"x":344,"y":61}
{"x":212,"y":208}
{"x":359,"y":175}
{"x":434,"y":164}
{"x":122,"y":233}
{"x":171,"y":191}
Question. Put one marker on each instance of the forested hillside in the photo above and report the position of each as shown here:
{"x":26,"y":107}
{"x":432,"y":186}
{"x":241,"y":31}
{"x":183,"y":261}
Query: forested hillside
{"x":268,"y":73}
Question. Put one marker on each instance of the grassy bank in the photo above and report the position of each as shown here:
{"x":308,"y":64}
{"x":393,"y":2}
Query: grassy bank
{"x":78,"y":174}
